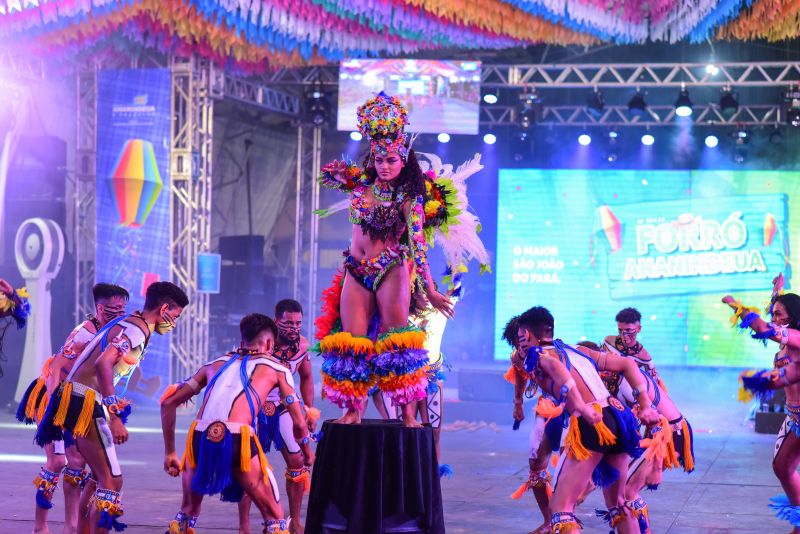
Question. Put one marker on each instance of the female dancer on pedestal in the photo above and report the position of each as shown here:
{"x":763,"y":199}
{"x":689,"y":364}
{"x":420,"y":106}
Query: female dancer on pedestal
{"x":395,"y":209}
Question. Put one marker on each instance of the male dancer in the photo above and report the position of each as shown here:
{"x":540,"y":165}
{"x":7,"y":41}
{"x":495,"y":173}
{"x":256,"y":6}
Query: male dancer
{"x":222,"y":453}
{"x":539,"y":448}
{"x":86,"y":407}
{"x":646,"y":471}
{"x":784,"y":329}
{"x":109,"y":302}
{"x":291,"y":351}
{"x":602,"y":432}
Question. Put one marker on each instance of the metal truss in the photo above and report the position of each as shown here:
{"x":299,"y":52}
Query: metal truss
{"x":190,"y":175}
{"x":659,"y":115}
{"x":325,"y":75}
{"x":600,"y":75}
{"x":306,"y":225}
{"x":21,"y":66}
{"x":85,"y":227}
{"x":627,"y":75}
{"x":225,"y":86}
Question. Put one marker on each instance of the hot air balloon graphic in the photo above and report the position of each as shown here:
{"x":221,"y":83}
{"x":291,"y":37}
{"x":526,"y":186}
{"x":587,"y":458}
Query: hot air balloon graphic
{"x":611,"y":227}
{"x":136,"y":182}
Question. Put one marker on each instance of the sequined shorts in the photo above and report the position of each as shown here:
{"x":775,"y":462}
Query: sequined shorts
{"x":371,"y":272}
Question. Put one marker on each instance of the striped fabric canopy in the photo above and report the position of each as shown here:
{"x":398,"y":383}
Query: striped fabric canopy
{"x":258,"y":35}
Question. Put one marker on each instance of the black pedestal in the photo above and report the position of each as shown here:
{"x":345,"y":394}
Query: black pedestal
{"x":376,"y":477}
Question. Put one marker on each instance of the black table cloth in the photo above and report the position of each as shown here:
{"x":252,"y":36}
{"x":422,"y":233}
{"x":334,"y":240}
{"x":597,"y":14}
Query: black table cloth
{"x":375,"y":477}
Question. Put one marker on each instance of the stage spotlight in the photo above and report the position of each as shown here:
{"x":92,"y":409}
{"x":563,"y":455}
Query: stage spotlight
{"x":648,"y":139}
{"x":489,"y":138}
{"x":728,"y":103}
{"x":530,"y":111}
{"x":443,"y":137}
{"x":613,"y":134}
{"x":637,"y":106}
{"x":585,"y":139}
{"x":776,"y":136}
{"x":490,"y":98}
{"x":712,"y":141}
{"x":741,"y":133}
{"x":356,"y":136}
{"x":317,"y":106}
{"x":683,"y":105}
{"x":595,"y":104}
{"x":791,"y":105}
{"x":740,"y":153}
{"x":712,"y":69}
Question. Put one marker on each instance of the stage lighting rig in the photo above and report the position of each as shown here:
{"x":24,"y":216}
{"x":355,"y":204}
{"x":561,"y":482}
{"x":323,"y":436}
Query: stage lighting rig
{"x":683,"y":105}
{"x":636,"y":105}
{"x":791,"y":103}
{"x":728,"y":103}
{"x":595,"y":104}
{"x":530,"y":109}
{"x":317,"y":106}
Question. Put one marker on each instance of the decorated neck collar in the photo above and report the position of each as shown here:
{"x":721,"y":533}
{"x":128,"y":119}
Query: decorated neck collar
{"x":626,"y":350}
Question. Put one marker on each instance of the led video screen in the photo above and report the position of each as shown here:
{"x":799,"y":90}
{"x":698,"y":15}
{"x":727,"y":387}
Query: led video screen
{"x":442,"y":96}
{"x":586,"y":244}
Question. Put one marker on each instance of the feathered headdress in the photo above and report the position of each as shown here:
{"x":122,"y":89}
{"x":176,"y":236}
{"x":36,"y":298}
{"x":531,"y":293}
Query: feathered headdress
{"x":383,"y":120}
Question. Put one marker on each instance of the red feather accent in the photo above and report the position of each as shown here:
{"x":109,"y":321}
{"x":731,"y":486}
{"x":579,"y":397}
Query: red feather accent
{"x":330,"y":306}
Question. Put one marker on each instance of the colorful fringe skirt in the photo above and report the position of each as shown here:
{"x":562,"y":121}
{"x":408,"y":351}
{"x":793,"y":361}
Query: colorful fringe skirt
{"x":73,"y":407}
{"x":33,"y":403}
{"x":214,"y":449}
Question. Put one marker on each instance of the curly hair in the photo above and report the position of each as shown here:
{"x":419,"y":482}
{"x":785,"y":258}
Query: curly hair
{"x":411,"y":177}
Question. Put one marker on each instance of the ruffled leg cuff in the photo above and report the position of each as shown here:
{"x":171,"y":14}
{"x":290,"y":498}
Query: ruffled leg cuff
{"x":346,"y":372}
{"x":401,"y":364}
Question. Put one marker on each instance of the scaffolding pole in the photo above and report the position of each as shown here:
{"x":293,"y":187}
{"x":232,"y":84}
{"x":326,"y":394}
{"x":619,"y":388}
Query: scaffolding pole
{"x":306,"y":225}
{"x":190,"y":202}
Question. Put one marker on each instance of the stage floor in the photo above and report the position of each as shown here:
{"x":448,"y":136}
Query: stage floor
{"x":728,"y":492}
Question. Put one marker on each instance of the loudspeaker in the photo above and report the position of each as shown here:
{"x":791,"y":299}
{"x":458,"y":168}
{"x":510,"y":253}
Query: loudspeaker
{"x":246,"y":249}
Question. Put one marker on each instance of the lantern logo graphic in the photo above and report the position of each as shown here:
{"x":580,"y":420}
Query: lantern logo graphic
{"x":136,"y":182}
{"x":611,"y":227}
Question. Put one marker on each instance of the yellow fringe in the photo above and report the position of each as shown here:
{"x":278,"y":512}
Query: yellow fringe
{"x":511,"y":375}
{"x":63,"y":405}
{"x":604,"y":433}
{"x":575,"y":448}
{"x":688,"y":459}
{"x":168,"y":392}
{"x":412,"y":339}
{"x":741,"y":310}
{"x":554,"y":459}
{"x":42,"y":408}
{"x":188,"y":452}
{"x":174,"y":527}
{"x":547,"y":408}
{"x":313,"y":413}
{"x":85,"y":417}
{"x":30,"y":406}
{"x":520,"y":491}
{"x":345,"y":341}
{"x":262,"y":461}
{"x":244,"y":453}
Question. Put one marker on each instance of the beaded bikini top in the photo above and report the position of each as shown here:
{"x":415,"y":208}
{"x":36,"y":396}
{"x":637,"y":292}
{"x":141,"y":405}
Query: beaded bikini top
{"x":381,"y":220}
